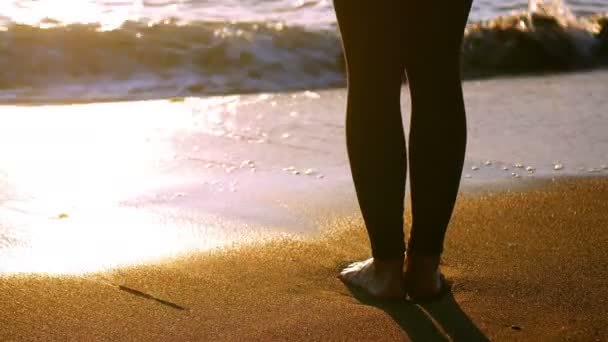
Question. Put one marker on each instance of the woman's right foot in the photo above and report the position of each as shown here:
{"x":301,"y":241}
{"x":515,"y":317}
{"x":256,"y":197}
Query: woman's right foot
{"x":380,"y":278}
{"x":423,"y":281}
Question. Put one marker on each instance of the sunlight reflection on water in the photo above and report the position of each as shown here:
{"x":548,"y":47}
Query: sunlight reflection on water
{"x":66,"y":173}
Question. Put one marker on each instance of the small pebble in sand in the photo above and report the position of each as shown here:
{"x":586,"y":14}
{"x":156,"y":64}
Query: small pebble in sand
{"x":247,"y":163}
{"x":320,"y":176}
{"x":475,"y":168}
{"x":581,"y":168}
{"x":253,"y":169}
{"x":487,"y":163}
{"x":208,"y":165}
{"x":311,"y":95}
{"x":309,"y":172}
{"x":593,"y":170}
{"x":530,"y":169}
{"x":230,"y":169}
{"x":467,"y":176}
{"x":514,"y":175}
{"x":295,"y":172}
{"x":285,"y":135}
{"x":519,"y":165}
{"x":604,"y":167}
{"x":288,"y":169}
{"x":558,"y":166}
{"x":504,"y":168}
{"x":62,"y":216}
{"x":178,"y":195}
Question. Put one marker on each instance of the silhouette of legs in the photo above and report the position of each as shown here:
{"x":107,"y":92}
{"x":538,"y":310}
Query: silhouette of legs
{"x":380,"y":40}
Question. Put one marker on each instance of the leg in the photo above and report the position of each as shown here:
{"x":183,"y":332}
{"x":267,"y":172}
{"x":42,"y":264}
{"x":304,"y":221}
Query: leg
{"x":437,"y":134}
{"x":375,"y":138}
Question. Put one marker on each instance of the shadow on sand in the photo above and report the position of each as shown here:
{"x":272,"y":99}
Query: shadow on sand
{"x":442,"y":320}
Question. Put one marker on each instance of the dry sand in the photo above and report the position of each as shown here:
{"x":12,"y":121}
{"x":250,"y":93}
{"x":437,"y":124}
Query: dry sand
{"x":526,"y":265}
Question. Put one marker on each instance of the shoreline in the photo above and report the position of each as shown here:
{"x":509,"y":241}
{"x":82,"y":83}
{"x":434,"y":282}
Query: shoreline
{"x":526,"y":265}
{"x":44,"y":102}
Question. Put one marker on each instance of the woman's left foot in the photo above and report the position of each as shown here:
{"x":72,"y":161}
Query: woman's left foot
{"x":424,"y":281}
{"x":380,"y":278}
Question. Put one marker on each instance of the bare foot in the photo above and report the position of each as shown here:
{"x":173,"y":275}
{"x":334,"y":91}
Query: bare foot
{"x":422,"y":277}
{"x":380,"y":278}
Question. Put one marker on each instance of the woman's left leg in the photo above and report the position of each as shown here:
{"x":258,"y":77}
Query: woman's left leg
{"x":375,"y":138}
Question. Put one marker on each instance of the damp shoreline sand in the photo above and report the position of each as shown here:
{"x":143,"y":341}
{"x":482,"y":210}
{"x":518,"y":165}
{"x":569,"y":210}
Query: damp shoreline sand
{"x":526,"y":265}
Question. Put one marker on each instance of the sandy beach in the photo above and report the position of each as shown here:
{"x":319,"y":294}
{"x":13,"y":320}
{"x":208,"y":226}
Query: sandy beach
{"x":527,"y":265}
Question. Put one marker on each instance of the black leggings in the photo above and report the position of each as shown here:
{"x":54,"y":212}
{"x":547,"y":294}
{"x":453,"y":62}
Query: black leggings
{"x":381,"y":39}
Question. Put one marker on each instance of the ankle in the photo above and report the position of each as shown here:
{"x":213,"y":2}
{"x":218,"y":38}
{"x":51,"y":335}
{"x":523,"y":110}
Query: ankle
{"x":419,"y":264}
{"x":389,"y":266}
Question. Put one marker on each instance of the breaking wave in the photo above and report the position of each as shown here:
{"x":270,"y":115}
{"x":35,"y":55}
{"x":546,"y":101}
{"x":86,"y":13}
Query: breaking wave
{"x":82,"y":62}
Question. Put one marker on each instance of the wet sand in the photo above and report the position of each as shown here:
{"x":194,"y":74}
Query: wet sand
{"x":527,"y":265}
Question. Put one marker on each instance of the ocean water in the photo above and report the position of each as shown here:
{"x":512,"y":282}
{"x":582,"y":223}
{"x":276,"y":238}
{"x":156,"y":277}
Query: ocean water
{"x":92,"y":50}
